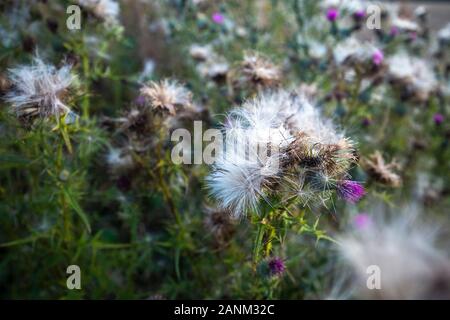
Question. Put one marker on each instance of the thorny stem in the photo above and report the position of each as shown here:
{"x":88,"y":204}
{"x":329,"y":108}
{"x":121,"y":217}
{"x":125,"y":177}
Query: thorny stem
{"x":64,"y":210}
{"x":162,"y":183}
{"x":86,"y":71}
{"x":264,"y":232}
{"x":257,"y":244}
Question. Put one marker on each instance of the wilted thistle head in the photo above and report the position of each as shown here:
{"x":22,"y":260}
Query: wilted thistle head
{"x":414,"y":74}
{"x":166,"y":96}
{"x":211,"y":65}
{"x":444,"y":34}
{"x":404,"y":248}
{"x":404,"y":24}
{"x":136,"y":121}
{"x":215,"y":69}
{"x":258,"y":70}
{"x":278,"y":143}
{"x":201,"y":52}
{"x":39,"y":89}
{"x":382,"y":171}
{"x":107,"y":10}
{"x":219,"y":224}
{"x":357,"y":53}
{"x":5,"y":84}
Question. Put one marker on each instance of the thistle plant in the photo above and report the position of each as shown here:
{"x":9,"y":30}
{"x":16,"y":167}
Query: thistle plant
{"x":302,"y":92}
{"x":38,"y":90}
{"x":307,"y":159}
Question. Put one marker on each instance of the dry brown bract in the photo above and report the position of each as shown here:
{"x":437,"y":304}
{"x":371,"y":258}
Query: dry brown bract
{"x":5,"y":85}
{"x":166,"y":96}
{"x":382,"y":171}
{"x":220,"y":224}
{"x":260,"y":71}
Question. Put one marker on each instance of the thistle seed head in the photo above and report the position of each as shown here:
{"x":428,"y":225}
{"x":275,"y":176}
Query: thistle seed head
{"x":39,"y":89}
{"x":166,"y":96}
{"x":382,"y":171}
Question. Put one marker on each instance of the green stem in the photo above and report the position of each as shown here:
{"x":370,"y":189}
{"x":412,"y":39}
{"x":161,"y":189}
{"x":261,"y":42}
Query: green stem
{"x":86,"y":72}
{"x":264,"y":229}
{"x":258,"y":243}
{"x":163,"y":185}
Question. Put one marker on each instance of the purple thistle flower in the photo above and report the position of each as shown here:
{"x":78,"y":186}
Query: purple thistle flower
{"x":362,"y":221}
{"x":359,"y":14}
{"x":378,"y":57}
{"x":276,"y":266}
{"x":438,"y":118}
{"x":332,"y":14}
{"x":350,"y":191}
{"x":394,"y":31}
{"x":366,"y":122}
{"x":218,"y":18}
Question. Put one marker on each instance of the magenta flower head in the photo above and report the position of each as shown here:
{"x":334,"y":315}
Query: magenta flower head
{"x":218,"y":18}
{"x":438,"y":118}
{"x":276,"y":266}
{"x":394,"y":31}
{"x":350,"y":191}
{"x":359,"y":14}
{"x":378,"y":57}
{"x":271,"y":267}
{"x":332,"y":14}
{"x":366,"y":122}
{"x":362,"y":221}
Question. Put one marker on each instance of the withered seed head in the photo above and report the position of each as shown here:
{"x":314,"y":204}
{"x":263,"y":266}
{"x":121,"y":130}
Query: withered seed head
{"x":382,"y":171}
{"x":166,"y":96}
{"x":5,"y":85}
{"x":220,"y":224}
{"x":334,"y":159}
{"x":137,"y":121}
{"x":259,"y":71}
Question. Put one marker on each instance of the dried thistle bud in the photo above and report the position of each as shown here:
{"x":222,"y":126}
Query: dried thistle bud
{"x":39,"y":89}
{"x":216,"y":70}
{"x":107,"y":10}
{"x":309,"y":90}
{"x":258,"y":70}
{"x":382,"y":171}
{"x":5,"y":85}
{"x":415,"y":75}
{"x":137,"y":121}
{"x":308,"y":156}
{"x":220,"y":224}
{"x":334,"y":159}
{"x":166,"y":96}
{"x":201,"y":53}
{"x":187,"y":116}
